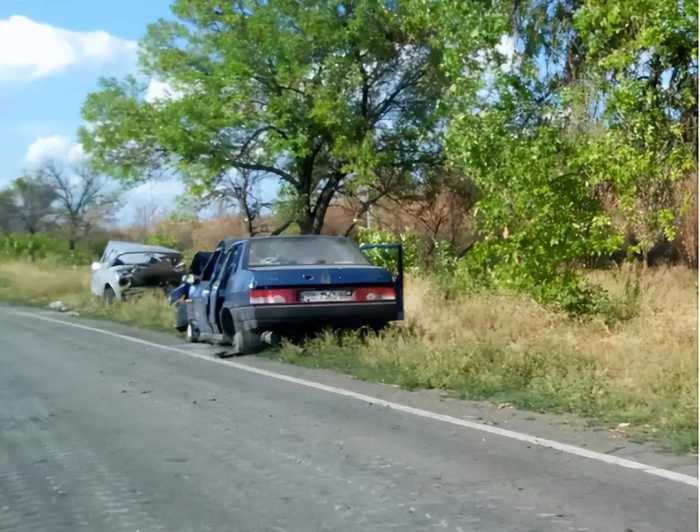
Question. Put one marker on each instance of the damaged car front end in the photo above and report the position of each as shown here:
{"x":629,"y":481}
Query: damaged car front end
{"x":127,"y":269}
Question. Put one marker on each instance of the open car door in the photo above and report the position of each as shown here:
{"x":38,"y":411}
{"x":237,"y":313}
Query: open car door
{"x":199,"y":261}
{"x":389,"y":256}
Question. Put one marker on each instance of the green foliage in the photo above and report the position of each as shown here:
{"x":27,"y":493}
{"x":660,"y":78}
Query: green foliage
{"x":162,"y":239}
{"x":643,"y":57}
{"x":570,"y":158}
{"x":538,"y":215}
{"x":42,"y":247}
{"x":387,"y":258}
{"x":319,"y":95}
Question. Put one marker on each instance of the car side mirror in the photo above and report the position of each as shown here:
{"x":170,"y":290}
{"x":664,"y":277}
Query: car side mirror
{"x":95,"y":266}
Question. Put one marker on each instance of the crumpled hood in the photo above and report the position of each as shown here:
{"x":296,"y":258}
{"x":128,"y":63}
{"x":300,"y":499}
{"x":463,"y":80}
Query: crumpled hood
{"x":162,"y":272}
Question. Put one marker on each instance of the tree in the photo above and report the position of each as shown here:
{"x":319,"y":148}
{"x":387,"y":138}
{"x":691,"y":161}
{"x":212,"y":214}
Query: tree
{"x":240,"y":189}
{"x":642,"y":56}
{"x":9,"y":212}
{"x":625,"y":73}
{"x":33,"y":199}
{"x":326,"y":96}
{"x":576,"y":132}
{"x":80,"y":200}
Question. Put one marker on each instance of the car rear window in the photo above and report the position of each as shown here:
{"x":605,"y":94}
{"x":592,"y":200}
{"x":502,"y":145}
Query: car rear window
{"x":304,"y":251}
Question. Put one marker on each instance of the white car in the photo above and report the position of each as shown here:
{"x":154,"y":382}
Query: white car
{"x":127,"y":268}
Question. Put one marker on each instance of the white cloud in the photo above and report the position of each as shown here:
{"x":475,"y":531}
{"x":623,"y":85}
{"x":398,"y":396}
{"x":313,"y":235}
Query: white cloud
{"x":30,"y":50}
{"x":54,"y":147}
{"x":161,"y":91}
{"x":157,"y":198}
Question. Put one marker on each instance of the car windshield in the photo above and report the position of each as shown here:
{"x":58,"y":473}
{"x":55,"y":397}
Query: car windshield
{"x":145,"y":258}
{"x":304,"y":251}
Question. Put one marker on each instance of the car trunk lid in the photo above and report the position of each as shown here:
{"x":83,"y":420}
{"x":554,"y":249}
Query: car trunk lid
{"x":321,"y":276}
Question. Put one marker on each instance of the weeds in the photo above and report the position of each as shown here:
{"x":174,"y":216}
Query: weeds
{"x":41,"y":247}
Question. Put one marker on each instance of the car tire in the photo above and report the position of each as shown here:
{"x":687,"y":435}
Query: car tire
{"x":109,"y":295}
{"x":192,"y":333}
{"x":246,"y":342}
{"x":227,"y":328}
{"x":226,"y":340}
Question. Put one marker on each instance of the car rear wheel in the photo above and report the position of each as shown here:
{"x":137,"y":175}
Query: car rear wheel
{"x":192,"y":333}
{"x":246,"y":342}
{"x":227,"y":328}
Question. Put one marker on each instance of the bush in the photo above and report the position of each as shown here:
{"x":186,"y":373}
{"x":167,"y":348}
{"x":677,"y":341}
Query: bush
{"x":482,"y":270}
{"x":387,"y":258}
{"x":41,"y":247}
{"x":164,"y":240}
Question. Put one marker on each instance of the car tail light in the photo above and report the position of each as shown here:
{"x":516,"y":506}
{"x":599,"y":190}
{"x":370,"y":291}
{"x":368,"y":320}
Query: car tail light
{"x":379,"y":293}
{"x":272,"y":297}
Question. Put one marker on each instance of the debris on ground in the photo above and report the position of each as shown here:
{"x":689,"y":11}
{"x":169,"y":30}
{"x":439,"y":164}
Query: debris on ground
{"x":58,"y":306}
{"x":621,"y":427}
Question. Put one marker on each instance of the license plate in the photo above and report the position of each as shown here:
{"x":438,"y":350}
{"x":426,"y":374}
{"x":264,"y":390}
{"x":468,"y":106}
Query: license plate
{"x":325,"y":296}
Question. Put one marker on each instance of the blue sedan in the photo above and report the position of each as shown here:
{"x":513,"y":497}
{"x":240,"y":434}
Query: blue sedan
{"x":247,"y":292}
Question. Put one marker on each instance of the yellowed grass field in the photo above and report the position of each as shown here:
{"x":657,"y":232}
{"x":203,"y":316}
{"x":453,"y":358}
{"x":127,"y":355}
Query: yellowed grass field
{"x":648,"y":364}
{"x":41,"y":284}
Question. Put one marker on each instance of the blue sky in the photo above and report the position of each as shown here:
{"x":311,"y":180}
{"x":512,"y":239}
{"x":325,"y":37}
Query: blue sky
{"x":52,"y":52}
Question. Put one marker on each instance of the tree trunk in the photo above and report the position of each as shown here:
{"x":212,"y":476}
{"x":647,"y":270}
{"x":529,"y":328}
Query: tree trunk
{"x":311,"y":223}
{"x":306,"y":223}
{"x":73,"y":234}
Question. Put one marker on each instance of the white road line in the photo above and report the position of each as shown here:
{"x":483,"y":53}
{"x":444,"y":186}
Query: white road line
{"x":533,"y":440}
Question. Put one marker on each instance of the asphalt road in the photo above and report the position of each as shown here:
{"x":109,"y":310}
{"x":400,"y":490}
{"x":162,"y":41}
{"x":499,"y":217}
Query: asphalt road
{"x":99,"y":433}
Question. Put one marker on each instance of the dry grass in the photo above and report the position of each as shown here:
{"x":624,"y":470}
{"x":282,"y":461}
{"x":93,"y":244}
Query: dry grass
{"x":643,"y":371}
{"x":36,"y":283}
{"x":662,"y":338}
{"x":41,"y":284}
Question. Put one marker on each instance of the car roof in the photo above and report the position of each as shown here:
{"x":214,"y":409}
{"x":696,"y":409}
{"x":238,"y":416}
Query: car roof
{"x":227,"y":243}
{"x":135,"y":247}
{"x":230,"y":241}
{"x":262,"y":237}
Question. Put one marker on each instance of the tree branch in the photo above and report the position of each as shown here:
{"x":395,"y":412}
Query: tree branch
{"x":289,"y":178}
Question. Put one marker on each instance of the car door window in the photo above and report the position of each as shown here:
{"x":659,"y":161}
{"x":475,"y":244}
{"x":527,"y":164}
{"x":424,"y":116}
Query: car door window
{"x":218,"y":266}
{"x":231,"y":265}
{"x":208,"y":272}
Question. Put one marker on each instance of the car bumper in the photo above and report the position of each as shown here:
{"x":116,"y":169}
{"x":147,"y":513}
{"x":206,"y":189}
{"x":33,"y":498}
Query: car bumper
{"x":280,"y":317}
